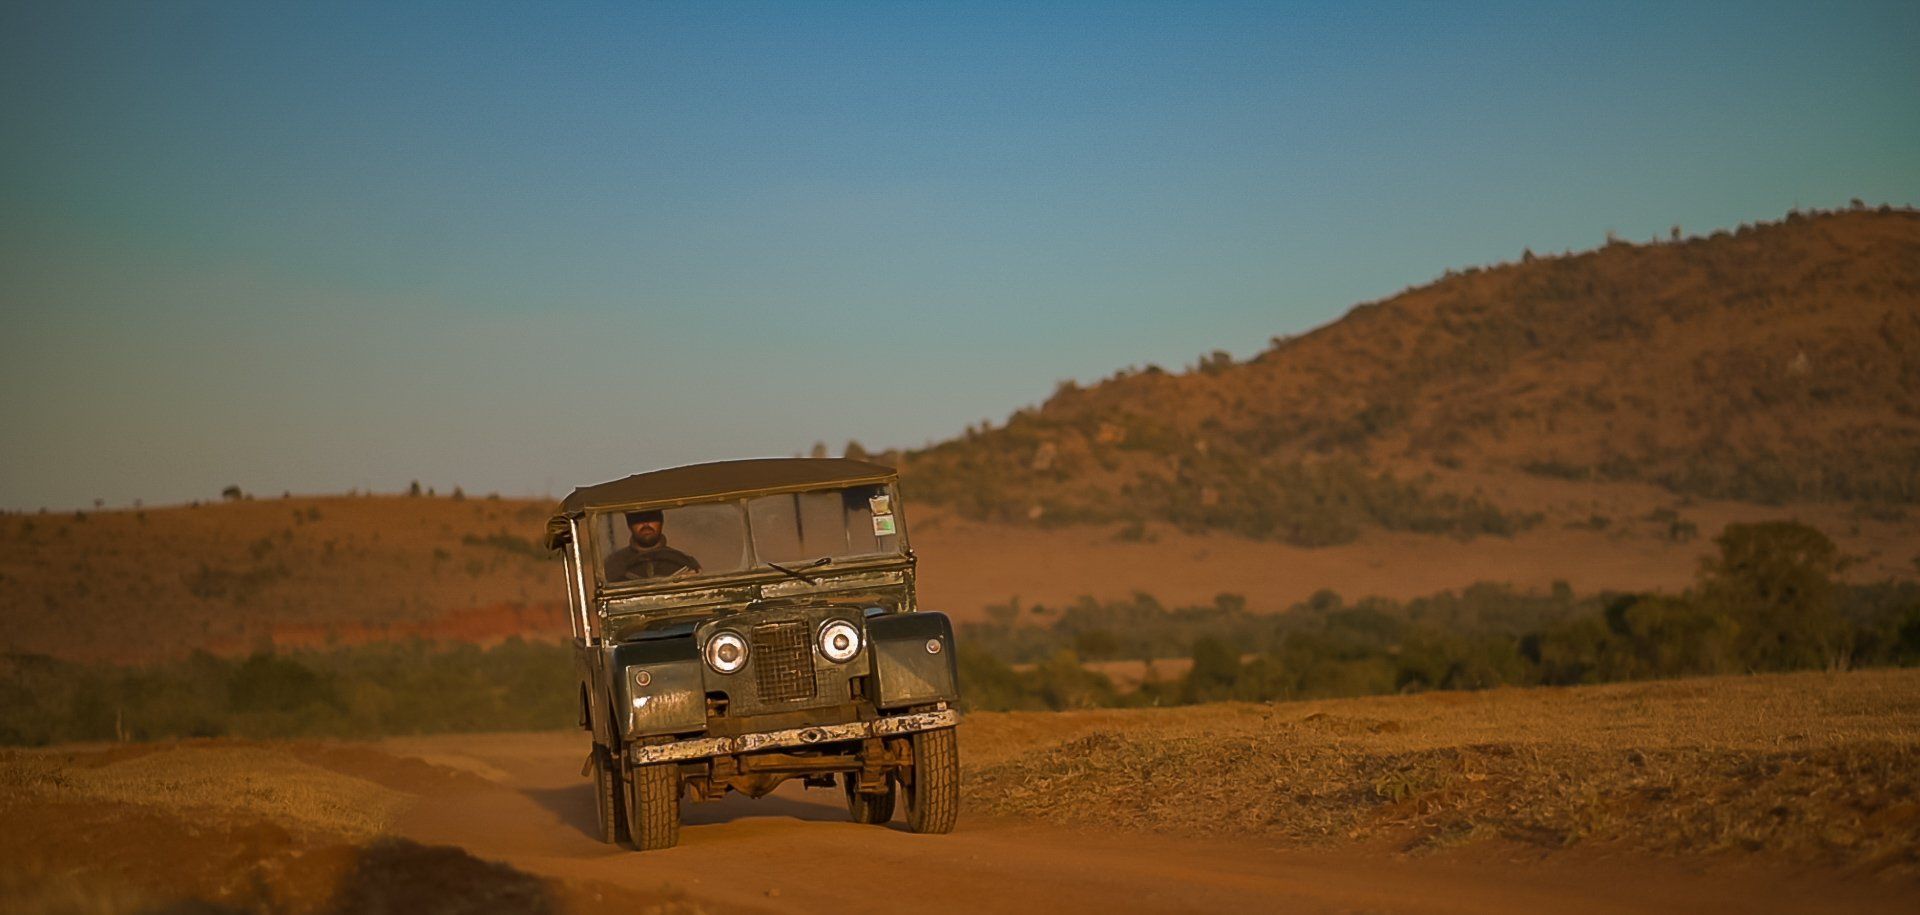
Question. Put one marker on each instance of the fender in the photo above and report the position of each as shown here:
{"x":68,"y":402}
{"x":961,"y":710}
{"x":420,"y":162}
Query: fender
{"x":672,"y":699}
{"x":912,"y":659}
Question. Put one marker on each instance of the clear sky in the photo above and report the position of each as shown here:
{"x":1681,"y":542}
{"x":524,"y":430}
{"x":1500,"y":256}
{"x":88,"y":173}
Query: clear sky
{"x":523,"y":247}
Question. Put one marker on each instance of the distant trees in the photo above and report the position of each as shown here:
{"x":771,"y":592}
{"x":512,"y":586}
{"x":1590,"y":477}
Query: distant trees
{"x":1770,"y":589}
{"x":1649,"y":636}
{"x":1774,"y":581}
{"x":268,"y":683}
{"x":397,"y":688}
{"x":1216,"y":669}
{"x":1768,"y":601}
{"x":1215,"y":362}
{"x":1096,"y":644}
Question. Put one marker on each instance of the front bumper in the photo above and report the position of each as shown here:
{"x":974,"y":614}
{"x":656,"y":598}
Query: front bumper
{"x":704,"y":747}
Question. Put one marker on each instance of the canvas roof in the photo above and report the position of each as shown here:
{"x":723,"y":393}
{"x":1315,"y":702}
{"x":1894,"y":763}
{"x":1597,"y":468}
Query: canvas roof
{"x":696,"y":482}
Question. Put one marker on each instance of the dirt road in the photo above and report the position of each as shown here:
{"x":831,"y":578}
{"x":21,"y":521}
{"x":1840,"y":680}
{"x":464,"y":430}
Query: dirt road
{"x":795,"y":851}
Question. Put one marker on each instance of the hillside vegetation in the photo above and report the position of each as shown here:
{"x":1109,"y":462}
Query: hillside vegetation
{"x":296,"y":572}
{"x":1775,"y":362}
{"x":1768,"y":602}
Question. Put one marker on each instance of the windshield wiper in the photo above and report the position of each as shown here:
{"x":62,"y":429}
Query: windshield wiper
{"x":824,"y":560}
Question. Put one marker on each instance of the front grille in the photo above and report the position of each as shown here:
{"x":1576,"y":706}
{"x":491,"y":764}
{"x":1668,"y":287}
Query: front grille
{"x":782,"y":662}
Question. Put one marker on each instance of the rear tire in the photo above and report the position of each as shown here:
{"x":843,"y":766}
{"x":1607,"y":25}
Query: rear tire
{"x":609,"y":795}
{"x":653,"y":806}
{"x":872,"y":809}
{"x":933,"y":798}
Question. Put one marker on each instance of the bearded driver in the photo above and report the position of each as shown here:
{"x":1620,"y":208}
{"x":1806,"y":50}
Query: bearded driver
{"x":648,"y":555}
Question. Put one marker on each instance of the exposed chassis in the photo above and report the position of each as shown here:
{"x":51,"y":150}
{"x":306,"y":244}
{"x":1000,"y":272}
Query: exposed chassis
{"x":705,"y":747}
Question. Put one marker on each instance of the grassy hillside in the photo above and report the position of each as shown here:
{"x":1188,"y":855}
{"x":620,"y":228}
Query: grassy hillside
{"x":1776,"y":362}
{"x":301,"y":572}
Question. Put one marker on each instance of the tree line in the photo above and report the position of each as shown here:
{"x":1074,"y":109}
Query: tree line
{"x":1770,"y":599}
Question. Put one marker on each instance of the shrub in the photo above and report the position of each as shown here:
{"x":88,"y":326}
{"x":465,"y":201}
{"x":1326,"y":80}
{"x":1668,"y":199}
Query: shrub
{"x":1775,"y":581}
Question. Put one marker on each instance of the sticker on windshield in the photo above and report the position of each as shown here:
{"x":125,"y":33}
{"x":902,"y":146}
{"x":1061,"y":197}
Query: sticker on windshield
{"x":881,"y":504}
{"x":883,"y":525}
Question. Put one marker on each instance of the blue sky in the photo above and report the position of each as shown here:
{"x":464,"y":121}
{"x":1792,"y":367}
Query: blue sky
{"x":522,"y":247}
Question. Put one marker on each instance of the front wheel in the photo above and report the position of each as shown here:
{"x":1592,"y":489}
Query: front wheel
{"x":933,"y":797}
{"x":653,"y":805}
{"x":609,"y":795}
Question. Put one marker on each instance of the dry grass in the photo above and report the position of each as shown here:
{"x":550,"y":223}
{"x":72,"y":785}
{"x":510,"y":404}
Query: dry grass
{"x":300,"y":572}
{"x":1813,"y":768}
{"x":221,"y":826}
{"x":71,"y":894}
{"x":220,"y":781}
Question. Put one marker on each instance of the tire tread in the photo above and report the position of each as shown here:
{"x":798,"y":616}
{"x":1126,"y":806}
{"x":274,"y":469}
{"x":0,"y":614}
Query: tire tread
{"x":653,"y":813}
{"x":933,"y":800}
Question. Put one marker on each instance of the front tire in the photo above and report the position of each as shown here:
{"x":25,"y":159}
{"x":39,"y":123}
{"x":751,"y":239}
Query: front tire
{"x":609,"y":795}
{"x":653,"y":806}
{"x":872,"y":809}
{"x":933,"y":797}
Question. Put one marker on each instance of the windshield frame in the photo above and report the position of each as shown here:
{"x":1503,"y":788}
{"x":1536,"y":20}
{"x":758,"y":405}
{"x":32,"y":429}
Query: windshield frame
{"x":757,"y":569}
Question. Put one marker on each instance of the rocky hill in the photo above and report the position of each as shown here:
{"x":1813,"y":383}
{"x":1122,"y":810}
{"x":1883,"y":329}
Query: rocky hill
{"x":1775,"y":362}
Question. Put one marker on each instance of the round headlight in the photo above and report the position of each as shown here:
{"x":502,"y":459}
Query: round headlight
{"x":839,"y":640}
{"x":726,"y":652}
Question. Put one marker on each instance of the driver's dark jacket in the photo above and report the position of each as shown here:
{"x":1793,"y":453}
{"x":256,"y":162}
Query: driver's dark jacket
{"x":632,"y":563}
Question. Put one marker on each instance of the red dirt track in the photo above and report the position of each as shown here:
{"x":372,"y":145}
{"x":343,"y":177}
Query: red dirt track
{"x":796,"y":851}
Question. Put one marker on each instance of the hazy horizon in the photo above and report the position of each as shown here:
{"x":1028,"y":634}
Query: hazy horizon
{"x":518,"y":250}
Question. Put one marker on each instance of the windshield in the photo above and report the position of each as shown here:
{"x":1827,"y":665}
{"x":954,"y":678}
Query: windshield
{"x":724,"y":537}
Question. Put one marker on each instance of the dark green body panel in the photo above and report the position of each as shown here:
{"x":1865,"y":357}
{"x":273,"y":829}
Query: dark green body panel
{"x":905,"y":672}
{"x":673,"y":701}
{"x":900,"y":672}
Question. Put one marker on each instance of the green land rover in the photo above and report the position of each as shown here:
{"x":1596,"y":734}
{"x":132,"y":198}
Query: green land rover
{"x":741,"y":623}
